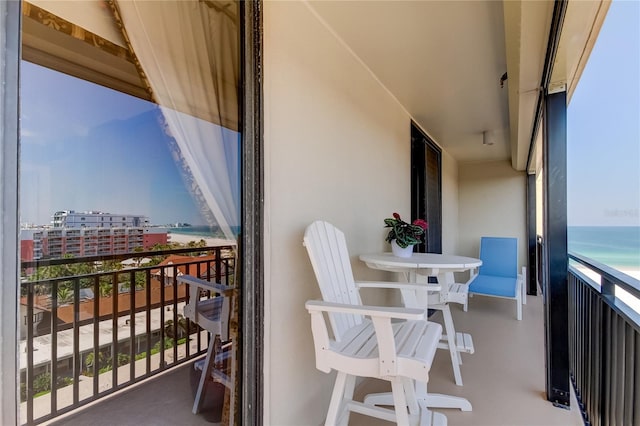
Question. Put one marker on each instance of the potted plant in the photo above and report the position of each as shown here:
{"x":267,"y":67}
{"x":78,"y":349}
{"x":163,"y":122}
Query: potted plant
{"x":403,"y":236}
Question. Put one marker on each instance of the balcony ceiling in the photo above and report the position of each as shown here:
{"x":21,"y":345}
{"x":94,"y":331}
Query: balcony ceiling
{"x":443,"y":61}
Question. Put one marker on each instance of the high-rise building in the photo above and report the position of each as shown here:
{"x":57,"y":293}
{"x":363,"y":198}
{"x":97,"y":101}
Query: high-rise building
{"x":89,"y":234}
{"x":95,"y":219}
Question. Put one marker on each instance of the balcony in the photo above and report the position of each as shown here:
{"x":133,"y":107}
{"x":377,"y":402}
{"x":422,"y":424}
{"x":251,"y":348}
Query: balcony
{"x":503,"y":379}
{"x":90,"y":323}
{"x":369,"y":82}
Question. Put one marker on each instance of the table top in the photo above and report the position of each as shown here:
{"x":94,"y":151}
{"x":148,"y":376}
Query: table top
{"x":421,"y":261}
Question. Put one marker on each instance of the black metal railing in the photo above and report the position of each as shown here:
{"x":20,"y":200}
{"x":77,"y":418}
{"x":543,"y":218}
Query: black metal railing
{"x":86,"y":321}
{"x":604,"y":344}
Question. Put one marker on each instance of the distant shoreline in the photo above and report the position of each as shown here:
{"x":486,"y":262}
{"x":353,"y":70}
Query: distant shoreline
{"x":632,"y":272}
{"x":631,"y":301}
{"x":211,"y":242}
{"x":635,"y":273}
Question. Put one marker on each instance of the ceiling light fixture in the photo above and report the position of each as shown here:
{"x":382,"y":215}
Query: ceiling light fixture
{"x":488,"y":138}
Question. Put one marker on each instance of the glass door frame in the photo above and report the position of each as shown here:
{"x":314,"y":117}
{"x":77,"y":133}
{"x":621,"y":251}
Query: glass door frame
{"x":252,"y":210}
{"x":251,"y":250}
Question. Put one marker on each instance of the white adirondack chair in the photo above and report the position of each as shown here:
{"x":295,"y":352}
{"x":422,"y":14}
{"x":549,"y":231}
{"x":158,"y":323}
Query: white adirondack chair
{"x":364,"y":341}
{"x":212,"y":314}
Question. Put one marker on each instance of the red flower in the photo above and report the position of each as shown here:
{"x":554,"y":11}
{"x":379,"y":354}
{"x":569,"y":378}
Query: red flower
{"x":396,"y":215}
{"x":421,"y":223}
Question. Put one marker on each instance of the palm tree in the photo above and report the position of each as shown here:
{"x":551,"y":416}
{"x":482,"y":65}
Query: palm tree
{"x":184,"y":325}
{"x":65,"y":294}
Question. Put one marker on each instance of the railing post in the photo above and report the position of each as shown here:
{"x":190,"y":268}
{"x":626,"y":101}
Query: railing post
{"x":607,"y":366}
{"x":29,"y":348}
{"x":607,"y":288}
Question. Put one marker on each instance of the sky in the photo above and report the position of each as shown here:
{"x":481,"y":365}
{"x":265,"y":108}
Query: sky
{"x":85,"y":147}
{"x":603,"y":126}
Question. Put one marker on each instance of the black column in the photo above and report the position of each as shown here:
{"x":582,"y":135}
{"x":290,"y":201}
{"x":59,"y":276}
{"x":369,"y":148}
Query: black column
{"x":251,"y":246}
{"x":532,"y":273}
{"x":555,"y":238}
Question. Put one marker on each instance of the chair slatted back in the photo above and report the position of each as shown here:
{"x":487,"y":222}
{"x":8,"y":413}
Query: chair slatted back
{"x":327,"y":249}
{"x":210,"y":313}
{"x":499,"y":256}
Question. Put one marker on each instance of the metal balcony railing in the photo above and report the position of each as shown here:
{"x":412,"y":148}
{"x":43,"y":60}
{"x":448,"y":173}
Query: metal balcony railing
{"x":604,"y":343}
{"x":101,"y":329}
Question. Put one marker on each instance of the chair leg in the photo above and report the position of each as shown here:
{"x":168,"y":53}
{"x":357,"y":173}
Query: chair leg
{"x":451,"y":339}
{"x":399,"y":401}
{"x":349,"y":388}
{"x":524,"y":285}
{"x":336,"y":399}
{"x":412,"y":400}
{"x":466,"y":302}
{"x":212,"y":350}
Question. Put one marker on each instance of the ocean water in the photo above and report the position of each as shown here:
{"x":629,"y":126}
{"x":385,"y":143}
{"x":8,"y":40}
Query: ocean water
{"x":203,"y":231}
{"x":615,"y":246}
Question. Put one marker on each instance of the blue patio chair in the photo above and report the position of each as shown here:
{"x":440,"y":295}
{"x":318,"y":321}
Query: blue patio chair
{"x":498,"y":276}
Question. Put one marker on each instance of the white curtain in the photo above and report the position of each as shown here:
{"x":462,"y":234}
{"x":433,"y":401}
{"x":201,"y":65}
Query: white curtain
{"x":189,"y":51}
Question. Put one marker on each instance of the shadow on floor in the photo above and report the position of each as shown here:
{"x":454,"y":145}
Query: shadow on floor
{"x":164,"y":400}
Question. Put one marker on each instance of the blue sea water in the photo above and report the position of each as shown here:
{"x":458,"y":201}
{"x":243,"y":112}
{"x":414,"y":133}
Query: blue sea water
{"x":203,"y":230}
{"x":615,"y":246}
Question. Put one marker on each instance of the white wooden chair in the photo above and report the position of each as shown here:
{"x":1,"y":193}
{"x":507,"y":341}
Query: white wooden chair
{"x":498,"y":276}
{"x":455,"y":342}
{"x":362,"y":341}
{"x":212,"y":314}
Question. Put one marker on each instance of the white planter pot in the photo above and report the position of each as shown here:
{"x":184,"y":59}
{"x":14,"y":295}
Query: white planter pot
{"x":399,"y":251}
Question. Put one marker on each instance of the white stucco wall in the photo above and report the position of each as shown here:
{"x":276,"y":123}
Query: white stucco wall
{"x":337,"y":148}
{"x":492,"y":203}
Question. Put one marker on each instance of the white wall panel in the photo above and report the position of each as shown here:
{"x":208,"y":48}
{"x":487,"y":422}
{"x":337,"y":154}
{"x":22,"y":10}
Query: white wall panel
{"x":337,"y":148}
{"x":493,"y":204}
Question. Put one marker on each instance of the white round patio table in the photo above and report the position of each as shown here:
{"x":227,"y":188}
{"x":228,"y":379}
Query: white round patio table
{"x":443,"y":267}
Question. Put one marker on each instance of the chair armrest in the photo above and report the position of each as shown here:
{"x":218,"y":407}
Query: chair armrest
{"x":523,"y":284}
{"x":371,"y":311}
{"x":472,"y":275}
{"x":398,"y":286}
{"x":204,"y":284}
{"x":522,"y":276}
{"x":209,"y":313}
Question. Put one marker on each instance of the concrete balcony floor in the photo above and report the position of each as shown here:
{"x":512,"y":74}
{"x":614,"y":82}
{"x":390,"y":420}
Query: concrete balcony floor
{"x":504,"y":379}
